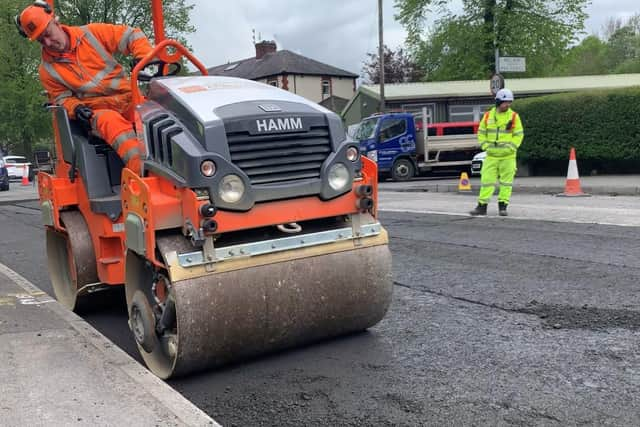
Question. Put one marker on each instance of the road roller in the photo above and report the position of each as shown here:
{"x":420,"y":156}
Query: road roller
{"x":252,"y":228}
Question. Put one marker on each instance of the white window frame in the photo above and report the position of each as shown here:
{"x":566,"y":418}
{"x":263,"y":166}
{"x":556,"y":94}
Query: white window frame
{"x":477,"y":111}
{"x":326,"y":84}
{"x":416,"y":110}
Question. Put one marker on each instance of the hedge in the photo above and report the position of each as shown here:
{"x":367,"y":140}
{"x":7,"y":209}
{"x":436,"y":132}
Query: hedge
{"x":603,"y":126}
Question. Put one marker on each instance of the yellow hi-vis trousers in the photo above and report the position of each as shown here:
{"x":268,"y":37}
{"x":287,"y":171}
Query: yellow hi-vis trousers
{"x":497,"y":169}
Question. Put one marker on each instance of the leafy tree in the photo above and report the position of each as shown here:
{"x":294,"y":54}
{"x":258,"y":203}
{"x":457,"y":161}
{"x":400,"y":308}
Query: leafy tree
{"x":24,"y":120}
{"x":617,"y":52}
{"x":463,"y":46}
{"x":399,"y":67}
{"x":587,"y":58}
{"x":136,"y":13}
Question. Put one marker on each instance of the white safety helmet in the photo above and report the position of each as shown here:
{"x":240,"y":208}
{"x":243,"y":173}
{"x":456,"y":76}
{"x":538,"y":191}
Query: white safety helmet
{"x":504,"y":95}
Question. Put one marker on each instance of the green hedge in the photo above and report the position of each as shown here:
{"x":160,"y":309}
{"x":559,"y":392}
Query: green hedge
{"x":603,"y":126}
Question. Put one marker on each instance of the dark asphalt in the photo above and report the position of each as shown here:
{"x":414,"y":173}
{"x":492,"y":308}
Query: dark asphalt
{"x":493,"y":323}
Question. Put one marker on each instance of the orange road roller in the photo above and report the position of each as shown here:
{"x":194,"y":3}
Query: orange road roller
{"x":252,"y":227}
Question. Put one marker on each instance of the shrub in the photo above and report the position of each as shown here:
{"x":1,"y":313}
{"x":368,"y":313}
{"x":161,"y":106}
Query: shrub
{"x":603,"y":126}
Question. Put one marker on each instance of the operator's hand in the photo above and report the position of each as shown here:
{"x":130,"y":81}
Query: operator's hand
{"x":83,"y":115}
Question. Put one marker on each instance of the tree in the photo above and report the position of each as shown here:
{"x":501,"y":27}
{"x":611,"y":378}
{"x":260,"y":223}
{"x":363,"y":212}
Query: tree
{"x":136,"y":13}
{"x":624,"y":47}
{"x":463,"y":46}
{"x":399,"y":67}
{"x":24,"y":120}
{"x":617,"y":52}
{"x":587,"y":58}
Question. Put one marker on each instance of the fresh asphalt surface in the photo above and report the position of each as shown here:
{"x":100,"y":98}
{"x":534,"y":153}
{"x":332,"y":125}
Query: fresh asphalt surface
{"x":494,"y":322}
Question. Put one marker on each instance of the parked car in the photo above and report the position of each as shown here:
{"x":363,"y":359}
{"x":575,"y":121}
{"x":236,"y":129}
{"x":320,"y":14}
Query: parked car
{"x":476,"y":163}
{"x":15,"y":166}
{"x":4,"y":177}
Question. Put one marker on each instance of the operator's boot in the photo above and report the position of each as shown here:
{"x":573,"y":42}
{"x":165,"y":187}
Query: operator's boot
{"x":502,"y":208}
{"x":479,"y":210}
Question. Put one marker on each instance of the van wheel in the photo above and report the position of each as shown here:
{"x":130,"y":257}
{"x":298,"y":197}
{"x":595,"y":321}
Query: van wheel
{"x":402,"y":170}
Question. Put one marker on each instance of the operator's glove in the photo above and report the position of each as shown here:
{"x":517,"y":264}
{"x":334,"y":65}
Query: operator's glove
{"x":83,"y":115}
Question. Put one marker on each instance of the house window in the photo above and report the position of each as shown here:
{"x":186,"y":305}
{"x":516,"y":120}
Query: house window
{"x":273,"y":82}
{"x":326,"y":88}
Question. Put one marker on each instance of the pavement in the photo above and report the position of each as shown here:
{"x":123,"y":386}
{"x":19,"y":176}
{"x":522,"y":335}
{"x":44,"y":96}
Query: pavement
{"x":604,"y":185}
{"x":58,"y":370}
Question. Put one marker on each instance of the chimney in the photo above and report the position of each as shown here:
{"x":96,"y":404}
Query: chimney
{"x":264,"y":47}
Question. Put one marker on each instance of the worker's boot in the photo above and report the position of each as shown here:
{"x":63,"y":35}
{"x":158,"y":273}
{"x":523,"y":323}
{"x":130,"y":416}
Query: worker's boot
{"x":479,"y":210}
{"x":502,"y":209}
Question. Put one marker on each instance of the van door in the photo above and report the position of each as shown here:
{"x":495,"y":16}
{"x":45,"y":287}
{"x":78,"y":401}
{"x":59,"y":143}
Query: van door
{"x":393,"y":140}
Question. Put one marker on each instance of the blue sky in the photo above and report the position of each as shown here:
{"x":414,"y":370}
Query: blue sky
{"x":337,"y":32}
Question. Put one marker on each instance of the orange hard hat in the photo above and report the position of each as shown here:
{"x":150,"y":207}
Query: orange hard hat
{"x":34,"y":19}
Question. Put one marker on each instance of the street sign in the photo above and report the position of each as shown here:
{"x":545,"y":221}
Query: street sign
{"x":512,"y":64}
{"x":496,"y":83}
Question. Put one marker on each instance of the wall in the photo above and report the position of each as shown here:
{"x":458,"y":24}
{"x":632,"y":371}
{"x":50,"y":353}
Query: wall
{"x":343,"y":87}
{"x":362,"y":106}
{"x":310,"y":87}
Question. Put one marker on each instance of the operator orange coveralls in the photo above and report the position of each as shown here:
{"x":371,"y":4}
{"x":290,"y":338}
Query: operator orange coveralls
{"x":87,"y":81}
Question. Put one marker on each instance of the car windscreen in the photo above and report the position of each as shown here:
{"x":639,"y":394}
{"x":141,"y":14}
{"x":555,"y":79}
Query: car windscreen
{"x":366,"y":129}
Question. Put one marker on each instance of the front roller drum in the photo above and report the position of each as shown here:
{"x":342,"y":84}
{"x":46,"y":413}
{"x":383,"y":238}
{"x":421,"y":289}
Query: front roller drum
{"x":71,"y":259}
{"x":229,"y":316}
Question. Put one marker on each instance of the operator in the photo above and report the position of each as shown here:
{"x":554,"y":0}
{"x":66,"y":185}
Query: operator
{"x":79,"y":73}
{"x":500,"y":134}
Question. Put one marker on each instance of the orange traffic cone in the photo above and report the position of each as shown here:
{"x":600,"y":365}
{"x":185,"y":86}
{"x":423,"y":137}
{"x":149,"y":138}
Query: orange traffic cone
{"x":464,"y":184}
{"x":25,"y":175}
{"x":572,"y":186}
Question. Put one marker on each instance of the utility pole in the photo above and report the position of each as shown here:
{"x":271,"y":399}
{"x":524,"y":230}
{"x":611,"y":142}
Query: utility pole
{"x":381,"y":56}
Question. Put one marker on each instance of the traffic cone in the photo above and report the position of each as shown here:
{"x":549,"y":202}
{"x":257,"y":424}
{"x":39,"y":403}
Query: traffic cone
{"x":25,"y":175}
{"x":572,"y":186}
{"x":464,"y":184}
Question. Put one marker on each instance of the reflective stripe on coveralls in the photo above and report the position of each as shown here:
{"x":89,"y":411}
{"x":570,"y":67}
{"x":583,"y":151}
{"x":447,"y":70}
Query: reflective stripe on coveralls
{"x":88,"y":68}
{"x":118,"y":132}
{"x":105,"y":89}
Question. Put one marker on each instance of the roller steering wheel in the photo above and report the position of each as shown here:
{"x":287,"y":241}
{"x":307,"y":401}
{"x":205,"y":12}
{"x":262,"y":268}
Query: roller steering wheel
{"x":147,"y":74}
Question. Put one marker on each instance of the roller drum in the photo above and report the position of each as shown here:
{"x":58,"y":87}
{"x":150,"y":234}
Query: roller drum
{"x":230,"y":316}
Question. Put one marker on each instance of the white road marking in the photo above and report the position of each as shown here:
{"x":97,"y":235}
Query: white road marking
{"x":33,"y":295}
{"x":507,"y":218}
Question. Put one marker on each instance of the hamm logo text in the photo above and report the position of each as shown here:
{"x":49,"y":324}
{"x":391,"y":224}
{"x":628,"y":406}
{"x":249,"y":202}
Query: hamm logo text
{"x":280,"y":124}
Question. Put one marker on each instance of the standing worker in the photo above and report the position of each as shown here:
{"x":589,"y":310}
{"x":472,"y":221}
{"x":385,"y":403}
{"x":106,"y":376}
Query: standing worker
{"x":79,"y":73}
{"x":500,"y":134}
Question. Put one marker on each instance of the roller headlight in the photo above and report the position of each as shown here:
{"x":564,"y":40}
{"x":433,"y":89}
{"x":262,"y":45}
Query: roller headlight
{"x":338,"y":177}
{"x":353,"y":154}
{"x":231,"y":189}
{"x":208,"y":168}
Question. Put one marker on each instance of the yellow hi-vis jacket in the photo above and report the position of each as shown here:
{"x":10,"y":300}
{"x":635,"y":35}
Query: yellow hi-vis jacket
{"x":500,"y":134}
